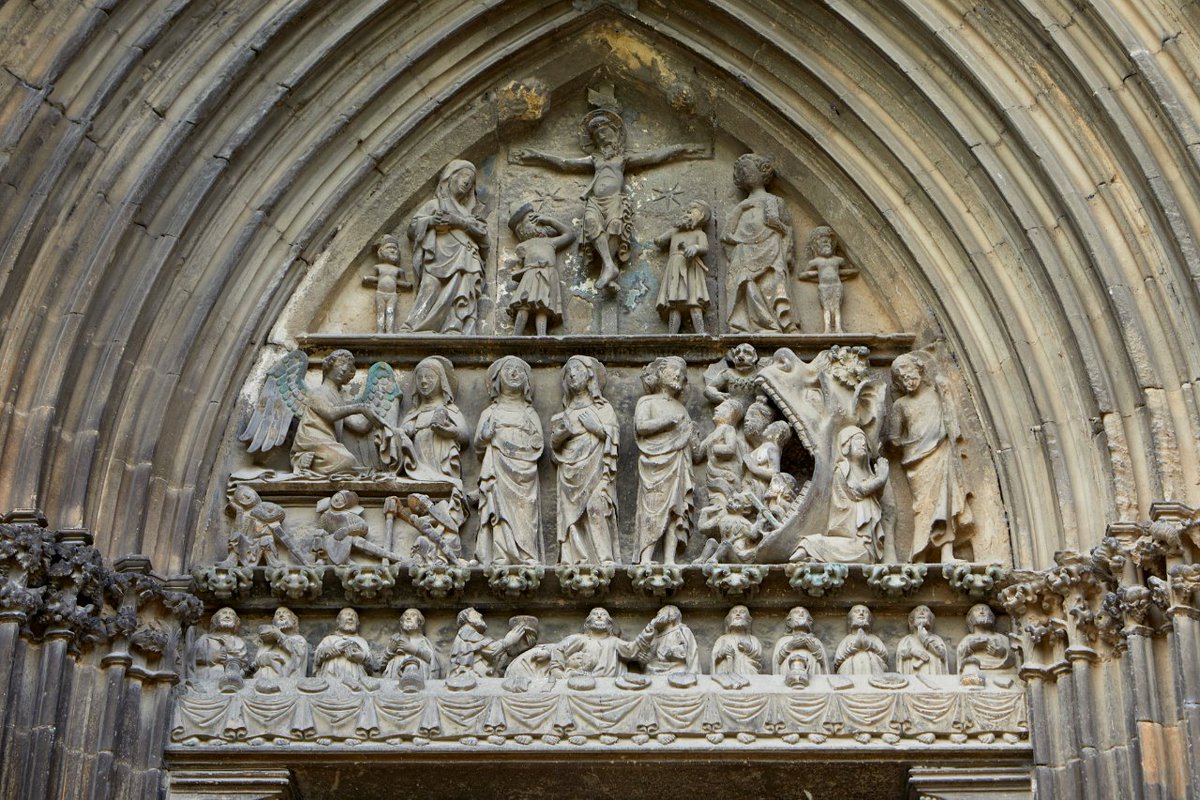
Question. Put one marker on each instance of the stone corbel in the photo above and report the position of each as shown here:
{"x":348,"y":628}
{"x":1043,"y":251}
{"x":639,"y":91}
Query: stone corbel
{"x":585,"y":580}
{"x":817,"y":580}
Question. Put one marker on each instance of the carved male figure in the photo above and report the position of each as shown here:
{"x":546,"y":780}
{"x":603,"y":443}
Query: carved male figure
{"x":599,"y":650}
{"x":667,"y":646}
{"x":983,"y":649}
{"x":722,"y":451}
{"x":284,"y":650}
{"x":733,"y":378}
{"x":763,"y":462}
{"x":438,"y":540}
{"x":345,"y":531}
{"x":608,"y":214}
{"x":257,"y":532}
{"x":665,"y":434}
{"x":539,"y":290}
{"x":388,"y":279}
{"x":759,"y":234}
{"x":684,"y":288}
{"x":343,"y":655}
{"x":829,"y":270}
{"x":925,"y":433}
{"x":737,"y":536}
{"x":219,"y":657}
{"x":799,"y":654}
{"x":510,"y":437}
{"x":860,"y":652}
{"x":412,"y":658}
{"x":449,"y":240}
{"x":584,"y":438}
{"x":475,"y":653}
{"x":738,"y":652}
{"x":922,"y":652}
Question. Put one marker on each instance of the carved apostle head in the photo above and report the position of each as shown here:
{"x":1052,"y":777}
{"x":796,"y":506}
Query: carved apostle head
{"x":285,"y":620}
{"x":412,"y":621}
{"x":738,"y":619}
{"x":859,"y":618}
{"x":668,"y":374}
{"x":920,"y":618}
{"x":471,"y":617}
{"x":225,"y":620}
{"x":799,"y":619}
{"x":982,"y":617}
{"x":347,"y":621}
{"x":752,"y":171}
{"x":666,"y":618}
{"x":599,"y":620}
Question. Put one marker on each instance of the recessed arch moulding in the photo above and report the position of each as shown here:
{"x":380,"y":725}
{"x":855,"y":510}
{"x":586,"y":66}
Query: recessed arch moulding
{"x":667,"y":94}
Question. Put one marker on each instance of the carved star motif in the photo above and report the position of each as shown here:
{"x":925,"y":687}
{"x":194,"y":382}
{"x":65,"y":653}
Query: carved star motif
{"x":545,"y":197}
{"x":669,"y":196}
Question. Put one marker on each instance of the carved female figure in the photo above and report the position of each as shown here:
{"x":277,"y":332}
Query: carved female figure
{"x":921,"y":652}
{"x":510,"y":435}
{"x":448,"y":239}
{"x":860,"y":652}
{"x":759,"y":232}
{"x":412,"y":658}
{"x":284,"y":651}
{"x":343,"y":654}
{"x":855,"y":530}
{"x":924,"y":431}
{"x":584,"y":437}
{"x":665,"y":439}
{"x":435,"y":428}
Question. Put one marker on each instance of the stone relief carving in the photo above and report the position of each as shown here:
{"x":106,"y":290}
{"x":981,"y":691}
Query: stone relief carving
{"x":738,"y":652}
{"x":434,"y":429}
{"x":733,"y":377}
{"x":412,"y":658}
{"x":329,"y":417}
{"x":608,"y":213}
{"x":861,"y":652}
{"x":983,"y":649}
{"x":759,"y":235}
{"x":539,"y":289}
{"x":449,"y":246}
{"x":510,"y":438}
{"x":345,"y":533}
{"x":828,"y":270}
{"x":925,"y":433}
{"x":474,"y":654}
{"x":219,"y":657}
{"x":855,"y":513}
{"x":666,"y":440}
{"x":283,"y":653}
{"x":922,"y":652}
{"x":683,"y":288}
{"x":438,"y":542}
{"x":799,"y":655}
{"x":598,"y":650}
{"x":344,"y":655}
{"x":388,"y":279}
{"x":666,"y":646}
{"x":584,"y":437}
{"x":258,"y":532}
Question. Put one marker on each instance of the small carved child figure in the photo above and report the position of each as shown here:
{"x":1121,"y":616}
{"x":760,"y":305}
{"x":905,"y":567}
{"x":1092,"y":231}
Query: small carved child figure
{"x":778,"y":502}
{"x":539,"y":291}
{"x":828,"y":270}
{"x":683,"y":286}
{"x":738,"y":652}
{"x":733,"y":377}
{"x":921,"y":652}
{"x":739,"y":537}
{"x":388,"y":279}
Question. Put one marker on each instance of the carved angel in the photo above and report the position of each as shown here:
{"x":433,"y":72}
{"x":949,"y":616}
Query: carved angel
{"x":328,"y":414}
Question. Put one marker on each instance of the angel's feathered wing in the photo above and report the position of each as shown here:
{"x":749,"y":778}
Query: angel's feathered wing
{"x":381,"y":390}
{"x":282,"y":398}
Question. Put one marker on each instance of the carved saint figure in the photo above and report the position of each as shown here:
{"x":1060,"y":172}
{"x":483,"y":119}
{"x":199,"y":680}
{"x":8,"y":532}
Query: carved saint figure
{"x":921,"y":652}
{"x":722,"y":451}
{"x":608,"y":213}
{"x":257,"y":532}
{"x":539,"y":291}
{"x":284,"y":651}
{"x":665,"y":434}
{"x":738,"y":652}
{"x":733,"y":378}
{"x":599,"y":650}
{"x":219,"y":657}
{"x":388,"y":279}
{"x":925,"y":433}
{"x":799,"y":655}
{"x":759,"y":233}
{"x":436,"y":430}
{"x":343,"y":654}
{"x":667,"y":646}
{"x":438,"y":541}
{"x":829,"y":270}
{"x":983,"y":649}
{"x":412,"y":658}
{"x":326,"y":414}
{"x":737,"y":536}
{"x":475,"y":653}
{"x":860,"y":652}
{"x":449,"y":241}
{"x":510,"y":436}
{"x":756,"y":450}
{"x":855,"y":530}
{"x":683,"y":287}
{"x":584,"y":438}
